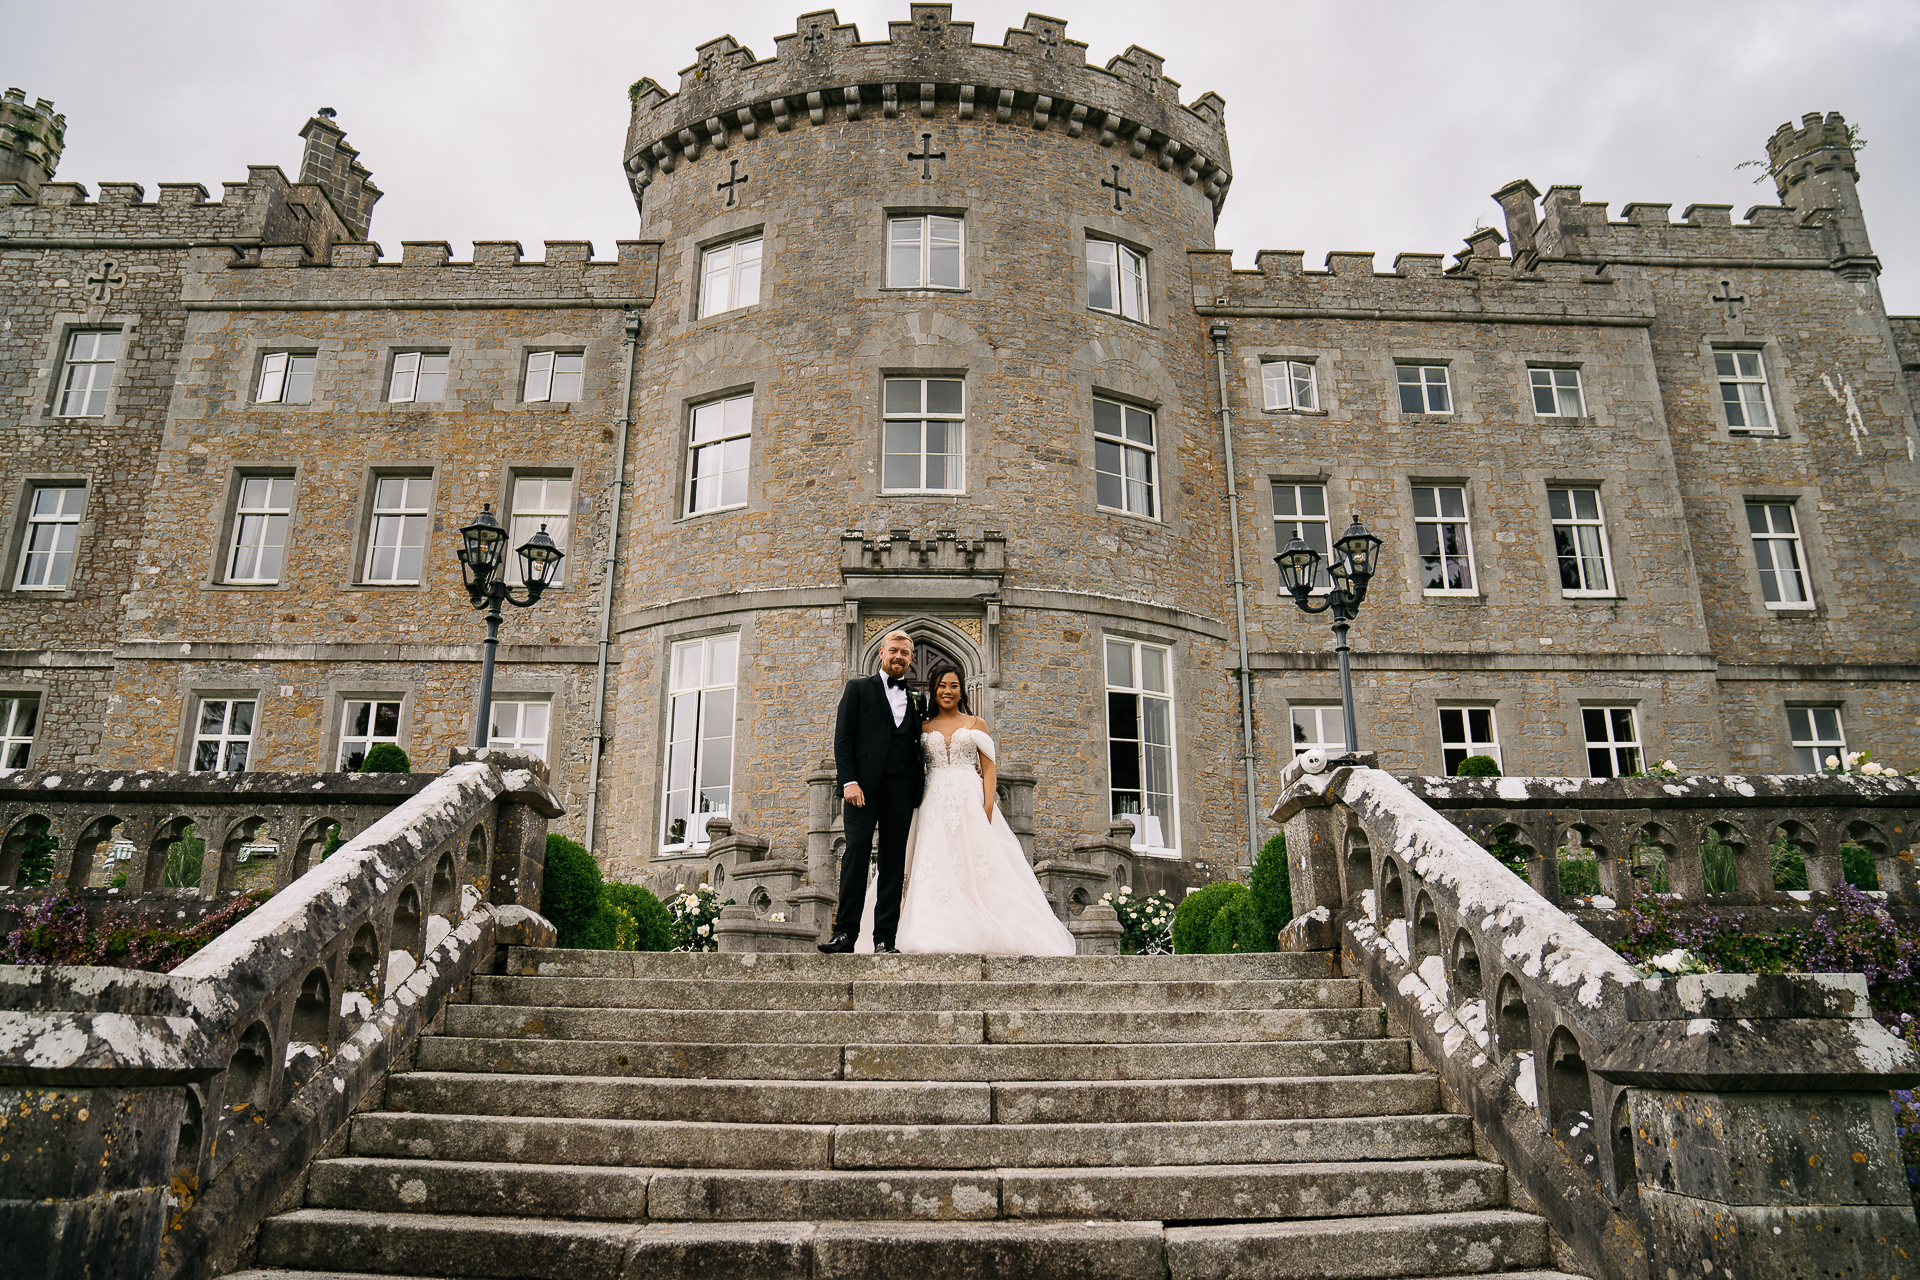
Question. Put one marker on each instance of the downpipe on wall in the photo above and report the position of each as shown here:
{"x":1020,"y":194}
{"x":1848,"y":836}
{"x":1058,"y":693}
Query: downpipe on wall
{"x":615,"y":509}
{"x":1218,"y":332}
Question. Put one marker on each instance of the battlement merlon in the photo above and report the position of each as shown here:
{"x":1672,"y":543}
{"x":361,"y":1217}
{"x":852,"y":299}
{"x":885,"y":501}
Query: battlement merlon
{"x":1037,"y":78}
{"x":1813,"y":169}
{"x":353,"y":278}
{"x":31,"y":140}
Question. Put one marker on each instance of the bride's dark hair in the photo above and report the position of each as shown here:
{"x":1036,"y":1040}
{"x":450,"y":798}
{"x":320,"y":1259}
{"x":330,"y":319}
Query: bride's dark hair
{"x":933,"y":687}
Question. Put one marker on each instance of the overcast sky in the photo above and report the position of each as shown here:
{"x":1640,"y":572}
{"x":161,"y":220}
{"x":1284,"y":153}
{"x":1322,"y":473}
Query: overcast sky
{"x":1354,"y":125}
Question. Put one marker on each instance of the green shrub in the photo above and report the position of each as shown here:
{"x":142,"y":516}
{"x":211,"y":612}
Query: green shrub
{"x":1716,"y":864}
{"x":334,"y":841}
{"x":1193,"y":919}
{"x":36,"y":858}
{"x":646,"y":927}
{"x":1856,"y":863}
{"x":1579,"y":876}
{"x":1270,"y":893}
{"x":570,"y":894}
{"x":1229,"y":922}
{"x":387,"y":757}
{"x":1478,"y":767}
{"x":1787,"y":863}
{"x":185,"y":857}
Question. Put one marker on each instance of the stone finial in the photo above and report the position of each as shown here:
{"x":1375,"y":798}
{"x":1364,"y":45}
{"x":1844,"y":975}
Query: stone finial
{"x":1516,"y":200}
{"x":31,"y":140}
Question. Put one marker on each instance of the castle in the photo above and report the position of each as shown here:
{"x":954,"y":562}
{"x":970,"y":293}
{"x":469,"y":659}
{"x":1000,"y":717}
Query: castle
{"x":927,"y":334}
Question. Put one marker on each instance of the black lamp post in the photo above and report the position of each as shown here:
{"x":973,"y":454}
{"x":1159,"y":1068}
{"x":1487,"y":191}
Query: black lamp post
{"x":1351,"y":567}
{"x":482,"y":558}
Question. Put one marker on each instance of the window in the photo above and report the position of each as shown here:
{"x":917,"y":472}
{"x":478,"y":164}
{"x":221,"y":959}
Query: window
{"x":1743,"y":391}
{"x":1466,"y":731}
{"x":418,"y":377}
{"x":1140,"y":743}
{"x":260,"y":512}
{"x":1776,"y":548}
{"x":1124,"y":457}
{"x":285,"y":378}
{"x":1580,"y":542}
{"x":89,"y":374}
{"x":717,"y":454}
{"x":729,"y":278}
{"x":925,"y":426}
{"x":1817,"y":737}
{"x":224,"y":737}
{"x":1116,"y":280}
{"x":1322,"y":727}
{"x":1444,"y":539}
{"x":1300,"y":511}
{"x":19,"y":713}
{"x":520,"y":726}
{"x":363,"y":726}
{"x":1289,"y":384}
{"x":1556,"y":393}
{"x":924,"y":252}
{"x":398,"y":539}
{"x":1613,"y":745}
{"x":699,"y":738}
{"x":1424,"y":389}
{"x":538,"y":502}
{"x":53,"y":527}
{"x":553,"y":376}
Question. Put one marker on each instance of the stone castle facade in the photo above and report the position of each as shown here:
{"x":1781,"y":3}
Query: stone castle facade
{"x":931,"y":334}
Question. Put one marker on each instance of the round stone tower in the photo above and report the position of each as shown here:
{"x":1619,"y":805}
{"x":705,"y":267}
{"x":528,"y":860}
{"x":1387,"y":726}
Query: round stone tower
{"x":924,"y":358}
{"x":31,"y":139}
{"x":1813,"y":169}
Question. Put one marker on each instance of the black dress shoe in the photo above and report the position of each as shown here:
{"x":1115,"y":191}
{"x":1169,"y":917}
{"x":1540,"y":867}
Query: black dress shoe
{"x":839,"y":944}
{"x":885,"y":949}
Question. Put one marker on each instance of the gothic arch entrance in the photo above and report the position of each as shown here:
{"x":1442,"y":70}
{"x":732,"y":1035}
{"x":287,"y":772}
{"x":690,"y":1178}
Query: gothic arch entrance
{"x":929,"y":655}
{"x":936,"y":643}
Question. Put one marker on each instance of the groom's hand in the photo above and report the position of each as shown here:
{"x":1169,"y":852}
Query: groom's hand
{"x":855,"y":796}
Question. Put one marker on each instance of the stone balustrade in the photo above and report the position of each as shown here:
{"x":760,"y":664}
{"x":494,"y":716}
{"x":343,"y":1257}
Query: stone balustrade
{"x":155,"y":1119}
{"x":1702,"y":1125}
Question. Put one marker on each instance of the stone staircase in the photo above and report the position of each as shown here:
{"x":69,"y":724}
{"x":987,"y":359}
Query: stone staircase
{"x":604,"y":1115}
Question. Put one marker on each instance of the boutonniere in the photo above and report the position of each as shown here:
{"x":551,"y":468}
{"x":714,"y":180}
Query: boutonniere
{"x":918,"y":702}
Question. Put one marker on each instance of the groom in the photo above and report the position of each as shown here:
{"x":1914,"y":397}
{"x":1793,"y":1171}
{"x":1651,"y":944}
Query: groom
{"x":876,"y":752}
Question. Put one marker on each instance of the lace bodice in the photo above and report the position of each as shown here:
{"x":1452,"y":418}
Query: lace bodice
{"x":962,"y":751}
{"x":954,"y":784}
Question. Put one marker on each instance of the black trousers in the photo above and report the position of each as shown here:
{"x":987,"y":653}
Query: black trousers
{"x":890,"y":820}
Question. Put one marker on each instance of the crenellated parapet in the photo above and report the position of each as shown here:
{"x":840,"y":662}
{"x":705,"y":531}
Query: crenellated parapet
{"x":928,"y":66}
{"x":31,"y":140}
{"x":354,"y":277}
{"x":333,"y":166}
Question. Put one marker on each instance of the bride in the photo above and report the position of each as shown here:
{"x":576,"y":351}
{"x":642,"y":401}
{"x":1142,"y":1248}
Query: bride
{"x":969,"y":888}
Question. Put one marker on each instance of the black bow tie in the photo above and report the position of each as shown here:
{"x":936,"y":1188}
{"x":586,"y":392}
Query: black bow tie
{"x":892,"y":683}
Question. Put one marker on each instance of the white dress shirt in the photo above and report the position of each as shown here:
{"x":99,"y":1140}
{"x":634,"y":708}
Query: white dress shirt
{"x":896,"y":698}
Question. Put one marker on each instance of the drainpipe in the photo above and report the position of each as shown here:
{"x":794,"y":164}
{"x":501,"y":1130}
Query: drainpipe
{"x":1219,"y":335}
{"x":614,"y":511}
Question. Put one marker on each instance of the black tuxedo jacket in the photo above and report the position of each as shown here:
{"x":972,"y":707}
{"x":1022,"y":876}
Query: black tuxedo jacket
{"x":861,"y":732}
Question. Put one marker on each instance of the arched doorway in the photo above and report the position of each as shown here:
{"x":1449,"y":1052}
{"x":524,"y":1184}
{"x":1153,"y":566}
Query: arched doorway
{"x":929,"y":656}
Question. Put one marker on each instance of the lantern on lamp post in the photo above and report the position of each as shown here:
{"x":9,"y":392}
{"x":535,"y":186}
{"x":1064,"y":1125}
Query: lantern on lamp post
{"x":1350,"y":566}
{"x":483,"y":561}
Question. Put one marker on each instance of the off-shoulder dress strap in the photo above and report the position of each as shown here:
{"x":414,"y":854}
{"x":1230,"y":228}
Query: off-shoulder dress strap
{"x":982,"y":739}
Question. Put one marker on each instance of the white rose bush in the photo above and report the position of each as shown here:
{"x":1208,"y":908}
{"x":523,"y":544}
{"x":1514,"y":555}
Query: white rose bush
{"x":693,"y":916}
{"x":1148,"y":921}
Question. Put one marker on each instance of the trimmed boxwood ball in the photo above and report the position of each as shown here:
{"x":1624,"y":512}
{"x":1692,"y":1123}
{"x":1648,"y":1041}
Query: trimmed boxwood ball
{"x":570,"y":893}
{"x":386,"y":757}
{"x":1270,"y":897}
{"x":1229,"y":923}
{"x":648,"y":912}
{"x":1193,"y":918}
{"x":1478,"y":767}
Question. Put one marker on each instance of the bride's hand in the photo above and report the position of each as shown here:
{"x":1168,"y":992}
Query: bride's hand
{"x":989,"y":807}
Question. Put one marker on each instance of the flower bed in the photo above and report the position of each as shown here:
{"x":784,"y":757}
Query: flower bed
{"x":57,"y":932}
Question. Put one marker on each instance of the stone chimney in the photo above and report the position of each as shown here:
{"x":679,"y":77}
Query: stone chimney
{"x":334,"y":167}
{"x":31,"y":140}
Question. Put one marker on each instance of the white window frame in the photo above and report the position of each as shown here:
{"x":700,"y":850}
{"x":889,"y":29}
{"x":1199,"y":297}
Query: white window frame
{"x":1122,"y":272}
{"x":527,"y":722}
{"x":730,"y":275}
{"x":702,"y":696}
{"x":1426,"y":383}
{"x":261,"y":515}
{"x":1131,"y":453}
{"x":1610,"y":743}
{"x":1741,"y":382}
{"x":372,"y":737}
{"x":1562,"y":389}
{"x":286,"y":377}
{"x":1767,"y":548}
{"x":224,"y":735}
{"x":61,"y":526}
{"x":1466,"y":741}
{"x":536,"y":501}
{"x":1290,"y":385}
{"x":921,"y":418}
{"x":725,"y":449}
{"x":1441,"y":520}
{"x":1584,"y":533}
{"x":1315,"y":724}
{"x":554,"y":377}
{"x":1811,"y":744}
{"x":19,"y":721}
{"x":1150,"y":820}
{"x":408,"y":512}
{"x":926,"y":240}
{"x":419,"y":377}
{"x":87,"y":375}
{"x":1316,"y":530}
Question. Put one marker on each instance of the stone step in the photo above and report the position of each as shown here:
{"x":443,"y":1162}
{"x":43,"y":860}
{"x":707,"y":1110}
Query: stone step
{"x":684,"y":1144}
{"x":1010,"y":1062}
{"x":1472,"y":1242}
{"x":559,"y":962}
{"x":1181,"y":1193}
{"x":951,"y":1026}
{"x":865,"y":995}
{"x":909,"y":1102}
